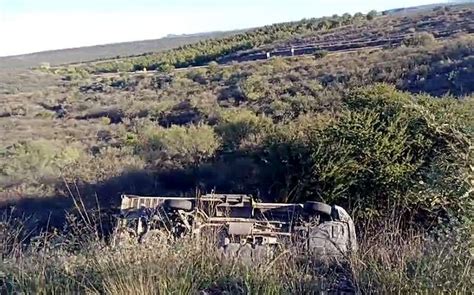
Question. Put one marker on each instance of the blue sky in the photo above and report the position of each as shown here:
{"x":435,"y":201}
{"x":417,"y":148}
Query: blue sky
{"x":35,"y":25}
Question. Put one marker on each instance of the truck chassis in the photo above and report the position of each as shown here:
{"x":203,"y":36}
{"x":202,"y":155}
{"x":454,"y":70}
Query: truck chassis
{"x":239,"y":222}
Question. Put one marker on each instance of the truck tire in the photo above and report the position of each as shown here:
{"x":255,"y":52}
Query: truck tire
{"x":318,"y":207}
{"x":179,"y":204}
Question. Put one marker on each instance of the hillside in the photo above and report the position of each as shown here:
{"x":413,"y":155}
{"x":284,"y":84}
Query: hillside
{"x":113,"y":113}
{"x":374,"y":113}
{"x":423,"y":8}
{"x":75,"y":55}
{"x":307,"y":36}
{"x":108,"y":113}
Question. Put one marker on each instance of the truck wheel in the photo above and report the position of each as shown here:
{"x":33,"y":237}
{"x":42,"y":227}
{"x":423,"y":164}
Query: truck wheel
{"x":179,"y":204}
{"x":318,"y":207}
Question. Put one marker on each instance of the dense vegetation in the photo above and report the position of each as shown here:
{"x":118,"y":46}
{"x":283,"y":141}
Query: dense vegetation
{"x":333,"y":33}
{"x":283,"y":130}
{"x":206,"y":51}
{"x":102,"y":52}
{"x":387,"y":133}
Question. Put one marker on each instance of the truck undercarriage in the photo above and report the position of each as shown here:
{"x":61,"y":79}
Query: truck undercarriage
{"x":239,"y":222}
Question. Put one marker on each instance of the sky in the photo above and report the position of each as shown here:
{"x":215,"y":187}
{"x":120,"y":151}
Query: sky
{"x":35,"y":25}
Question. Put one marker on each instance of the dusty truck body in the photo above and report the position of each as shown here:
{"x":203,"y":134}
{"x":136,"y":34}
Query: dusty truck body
{"x":240,"y":222}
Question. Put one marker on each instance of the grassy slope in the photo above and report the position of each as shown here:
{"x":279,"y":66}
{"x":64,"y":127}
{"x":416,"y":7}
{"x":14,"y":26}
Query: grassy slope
{"x":140,"y":97}
{"x":76,"y":55}
{"x":330,"y":33}
{"x":199,"y":96}
{"x":169,"y":132}
{"x":97,"y":143}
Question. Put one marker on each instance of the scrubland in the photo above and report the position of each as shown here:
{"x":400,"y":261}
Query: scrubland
{"x":384,"y":132}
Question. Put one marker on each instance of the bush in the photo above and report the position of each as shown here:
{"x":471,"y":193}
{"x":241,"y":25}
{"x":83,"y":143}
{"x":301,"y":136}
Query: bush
{"x":371,"y":15}
{"x":178,"y":145}
{"x":35,"y":163}
{"x":419,"y":39}
{"x":254,"y":87}
{"x":165,"y":68}
{"x":213,"y":66}
{"x":386,"y":151}
{"x":320,"y":54}
{"x":240,"y":127}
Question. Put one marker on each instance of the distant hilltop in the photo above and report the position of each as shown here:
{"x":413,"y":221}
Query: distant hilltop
{"x":202,"y":34}
{"x":424,"y":7}
{"x":106,"y":51}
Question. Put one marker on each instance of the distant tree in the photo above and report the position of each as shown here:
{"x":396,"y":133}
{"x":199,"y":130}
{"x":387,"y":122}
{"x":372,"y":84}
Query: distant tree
{"x":165,"y":68}
{"x":372,"y":14}
{"x":346,"y":16}
{"x":213,"y":66}
{"x":324,"y":24}
{"x":359,"y":15}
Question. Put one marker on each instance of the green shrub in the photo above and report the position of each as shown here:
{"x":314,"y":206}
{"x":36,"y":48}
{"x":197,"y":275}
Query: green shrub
{"x":372,"y":14}
{"x":238,"y":127}
{"x":178,"y":145}
{"x":254,"y":87}
{"x":33,"y":163}
{"x":213,"y":67}
{"x":104,"y":165}
{"x":165,"y":68}
{"x":105,"y":121}
{"x":387,"y":151}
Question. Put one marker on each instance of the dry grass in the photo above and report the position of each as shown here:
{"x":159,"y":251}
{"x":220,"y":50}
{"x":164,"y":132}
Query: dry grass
{"x":40,"y":150}
{"x":389,"y":261}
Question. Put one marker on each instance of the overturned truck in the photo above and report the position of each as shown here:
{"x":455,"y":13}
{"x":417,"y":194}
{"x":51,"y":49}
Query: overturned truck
{"x":239,"y":222}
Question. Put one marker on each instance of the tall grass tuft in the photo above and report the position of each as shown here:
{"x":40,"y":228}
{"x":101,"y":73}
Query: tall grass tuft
{"x":389,"y":261}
